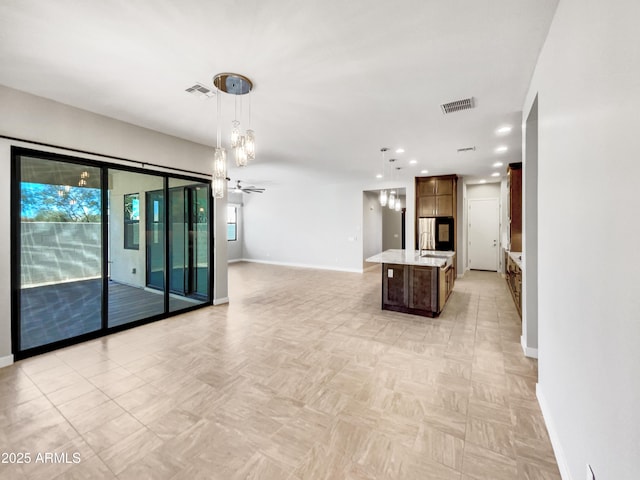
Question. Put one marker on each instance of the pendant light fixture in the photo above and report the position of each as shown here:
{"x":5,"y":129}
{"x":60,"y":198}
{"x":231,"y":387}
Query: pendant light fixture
{"x":392,"y":199}
{"x":250,"y":137}
{"x":219,"y":157}
{"x":238,"y":85}
{"x":398,"y":206}
{"x":383,"y":193}
{"x":383,"y":198}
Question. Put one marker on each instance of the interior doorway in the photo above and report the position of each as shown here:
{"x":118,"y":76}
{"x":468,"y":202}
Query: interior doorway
{"x":483,"y":233}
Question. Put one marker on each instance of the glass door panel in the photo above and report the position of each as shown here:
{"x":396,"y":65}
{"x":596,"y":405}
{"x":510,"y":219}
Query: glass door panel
{"x":200,"y":215}
{"x":60,"y":238}
{"x":179,"y":241}
{"x":135,"y":236}
{"x":155,"y":235}
{"x":189,"y":243}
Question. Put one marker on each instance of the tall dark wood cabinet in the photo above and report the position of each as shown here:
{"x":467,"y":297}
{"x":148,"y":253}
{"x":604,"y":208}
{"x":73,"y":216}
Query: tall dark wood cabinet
{"x":514,"y":175}
{"x":436,"y":197}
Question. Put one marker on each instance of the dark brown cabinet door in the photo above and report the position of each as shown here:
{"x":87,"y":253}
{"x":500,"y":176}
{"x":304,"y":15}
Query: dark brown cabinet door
{"x":426,"y":186}
{"x":444,"y":205}
{"x":427,"y":206}
{"x":423,"y":288}
{"x":394,"y":285}
{"x":515,"y":206}
{"x":444,"y":186}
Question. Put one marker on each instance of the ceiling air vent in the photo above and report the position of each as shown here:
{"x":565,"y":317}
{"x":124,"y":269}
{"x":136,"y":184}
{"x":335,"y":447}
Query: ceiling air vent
{"x":467,"y":149}
{"x":457,"y":106}
{"x":199,"y":90}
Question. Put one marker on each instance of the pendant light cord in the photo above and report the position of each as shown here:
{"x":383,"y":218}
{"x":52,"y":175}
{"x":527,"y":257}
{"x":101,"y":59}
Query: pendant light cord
{"x":218,"y":129}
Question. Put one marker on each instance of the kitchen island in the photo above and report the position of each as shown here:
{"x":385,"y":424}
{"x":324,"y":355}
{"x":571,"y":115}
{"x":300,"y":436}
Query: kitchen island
{"x":415,"y":282}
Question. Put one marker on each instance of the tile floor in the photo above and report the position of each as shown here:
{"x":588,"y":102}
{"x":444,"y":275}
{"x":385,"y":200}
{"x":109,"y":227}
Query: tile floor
{"x":302,"y":376}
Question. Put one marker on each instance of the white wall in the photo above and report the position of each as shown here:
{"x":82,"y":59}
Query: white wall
{"x":314,"y":226}
{"x":371,"y":226}
{"x":588,"y":92}
{"x":38,"y":119}
{"x":529,"y":338}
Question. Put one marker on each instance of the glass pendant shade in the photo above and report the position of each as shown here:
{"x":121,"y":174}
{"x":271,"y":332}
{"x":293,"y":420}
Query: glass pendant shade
{"x":398,"y":206}
{"x":220,"y":162}
{"x":383,"y":198}
{"x":250,"y":145}
{"x":217,"y":185}
{"x":392,"y":201}
{"x":241,"y":152}
{"x":235,"y":134}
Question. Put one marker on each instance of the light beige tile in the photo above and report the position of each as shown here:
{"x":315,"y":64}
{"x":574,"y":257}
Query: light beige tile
{"x":130,"y":450}
{"x":496,"y":437}
{"x":320,"y":384}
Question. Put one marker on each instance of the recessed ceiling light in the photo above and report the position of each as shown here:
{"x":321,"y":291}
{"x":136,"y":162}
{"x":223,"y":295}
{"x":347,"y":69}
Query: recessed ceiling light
{"x":413,"y":162}
{"x":498,"y":164}
{"x":424,"y":171}
{"x":400,"y":150}
{"x":502,"y":149}
{"x":504,"y":130}
{"x":379,"y":175}
{"x":482,"y":181}
{"x":495,"y":174}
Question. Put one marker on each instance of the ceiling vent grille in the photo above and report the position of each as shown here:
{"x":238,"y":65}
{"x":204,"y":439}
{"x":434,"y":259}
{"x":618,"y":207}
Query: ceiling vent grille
{"x":199,"y":90}
{"x":457,"y":106}
{"x":467,"y":149}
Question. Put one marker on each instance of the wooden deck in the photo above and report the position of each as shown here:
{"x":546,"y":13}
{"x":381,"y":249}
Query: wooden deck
{"x":56,"y":312}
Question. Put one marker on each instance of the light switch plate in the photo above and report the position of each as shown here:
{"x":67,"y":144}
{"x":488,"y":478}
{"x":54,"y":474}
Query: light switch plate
{"x":390,"y":273}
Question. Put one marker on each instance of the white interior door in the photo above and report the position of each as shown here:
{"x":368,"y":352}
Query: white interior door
{"x":483,"y":233}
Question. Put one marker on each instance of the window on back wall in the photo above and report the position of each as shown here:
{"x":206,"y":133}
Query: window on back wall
{"x":232,"y":223}
{"x":132,"y":221}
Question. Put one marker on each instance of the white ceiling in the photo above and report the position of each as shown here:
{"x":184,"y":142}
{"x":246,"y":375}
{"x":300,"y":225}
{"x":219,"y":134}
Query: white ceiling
{"x":334,"y":80}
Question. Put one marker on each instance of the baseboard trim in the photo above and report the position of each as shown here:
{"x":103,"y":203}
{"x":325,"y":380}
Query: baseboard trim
{"x":236,"y":260}
{"x":220,"y":301}
{"x":303,"y":265}
{"x":6,"y":361}
{"x":372,"y":267}
{"x":528,"y":351}
{"x":561,"y":459}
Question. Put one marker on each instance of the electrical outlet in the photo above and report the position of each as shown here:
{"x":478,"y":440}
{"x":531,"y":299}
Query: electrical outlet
{"x":590,"y":474}
{"x":133,"y":270}
{"x":390,"y":273}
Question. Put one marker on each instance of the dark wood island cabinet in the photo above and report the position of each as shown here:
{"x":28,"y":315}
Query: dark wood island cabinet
{"x":416,"y":284}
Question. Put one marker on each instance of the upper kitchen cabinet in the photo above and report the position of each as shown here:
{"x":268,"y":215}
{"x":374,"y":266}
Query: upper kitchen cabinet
{"x":427,"y":186}
{"x":514,"y":175}
{"x":435,"y":196}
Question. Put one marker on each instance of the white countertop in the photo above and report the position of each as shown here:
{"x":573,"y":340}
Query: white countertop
{"x":516,"y":257}
{"x":434,"y":258}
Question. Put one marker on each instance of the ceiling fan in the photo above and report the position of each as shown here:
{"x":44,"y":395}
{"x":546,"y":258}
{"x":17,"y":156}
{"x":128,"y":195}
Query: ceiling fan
{"x":249,"y":189}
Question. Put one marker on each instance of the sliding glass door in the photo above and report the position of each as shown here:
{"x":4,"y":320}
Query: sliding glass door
{"x":155,"y":236}
{"x":189,"y":249}
{"x":60,"y":218}
{"x":98,"y":248}
{"x":131,"y":267}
